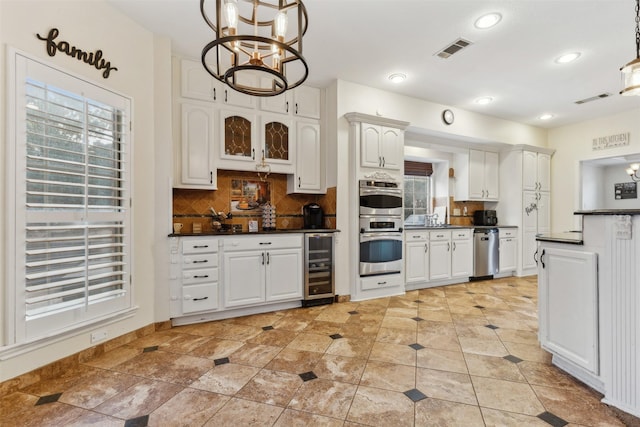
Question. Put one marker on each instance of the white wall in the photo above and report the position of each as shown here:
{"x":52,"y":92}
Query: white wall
{"x":574,"y":143}
{"x":92,"y":25}
{"x":614,"y":175}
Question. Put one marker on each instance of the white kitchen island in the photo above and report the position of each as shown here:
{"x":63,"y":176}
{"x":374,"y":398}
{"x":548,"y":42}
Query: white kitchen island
{"x":589,"y":303}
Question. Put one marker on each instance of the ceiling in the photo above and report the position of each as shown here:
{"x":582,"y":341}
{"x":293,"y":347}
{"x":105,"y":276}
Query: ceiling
{"x":363,"y":41}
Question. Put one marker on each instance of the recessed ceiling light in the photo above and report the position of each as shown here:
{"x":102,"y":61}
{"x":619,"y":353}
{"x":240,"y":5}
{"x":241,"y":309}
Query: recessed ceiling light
{"x":568,"y":57}
{"x":484,"y":100}
{"x":397,"y":77}
{"x":488,"y":20}
{"x":546,"y":116}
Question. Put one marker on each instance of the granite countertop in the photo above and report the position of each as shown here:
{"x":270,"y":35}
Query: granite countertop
{"x":246,"y":233}
{"x":609,"y":212}
{"x":570,"y":237}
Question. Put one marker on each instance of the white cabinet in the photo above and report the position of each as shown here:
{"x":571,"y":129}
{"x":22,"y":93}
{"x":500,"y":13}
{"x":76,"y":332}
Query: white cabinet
{"x":536,"y":220}
{"x":197,"y":156}
{"x":197,"y":83}
{"x":416,"y":256}
{"x":194,"y":271}
{"x":508,"y":249}
{"x":307,"y":177}
{"x":461,"y":253}
{"x":306,"y":102}
{"x":264,"y":269}
{"x":238,"y":142}
{"x":568,"y":294}
{"x":536,"y":171}
{"x":477,"y":176}
{"x":439,"y":255}
{"x":276,"y":143}
{"x":381,"y":147}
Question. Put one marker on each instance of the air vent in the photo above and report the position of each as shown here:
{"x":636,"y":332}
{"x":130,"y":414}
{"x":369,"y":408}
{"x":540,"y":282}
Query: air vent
{"x":594,"y":98}
{"x":454,"y":47}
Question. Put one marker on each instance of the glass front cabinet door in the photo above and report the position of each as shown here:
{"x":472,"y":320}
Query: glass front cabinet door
{"x":277,"y":143}
{"x":238,"y":140}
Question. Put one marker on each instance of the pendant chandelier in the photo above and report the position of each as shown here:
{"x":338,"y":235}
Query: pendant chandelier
{"x":632,"y":170}
{"x":631,"y":71}
{"x":257,"y":48}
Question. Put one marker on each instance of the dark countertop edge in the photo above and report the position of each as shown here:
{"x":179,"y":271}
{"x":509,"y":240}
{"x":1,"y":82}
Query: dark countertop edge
{"x":246,"y":233}
{"x":561,"y":238}
{"x":454,"y":227}
{"x":609,"y":212}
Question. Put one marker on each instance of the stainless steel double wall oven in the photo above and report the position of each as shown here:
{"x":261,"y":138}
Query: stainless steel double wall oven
{"x":380,"y":227}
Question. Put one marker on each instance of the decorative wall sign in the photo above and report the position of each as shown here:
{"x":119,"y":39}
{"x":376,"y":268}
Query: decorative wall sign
{"x":94,"y":58}
{"x":626,"y":190}
{"x":611,"y":141}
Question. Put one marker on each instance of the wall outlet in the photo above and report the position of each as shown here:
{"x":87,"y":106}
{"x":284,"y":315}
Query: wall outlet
{"x":98,"y":336}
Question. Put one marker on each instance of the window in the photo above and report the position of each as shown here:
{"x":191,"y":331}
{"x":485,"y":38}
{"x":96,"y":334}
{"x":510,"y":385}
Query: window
{"x":72,"y":192}
{"x":417,"y":198}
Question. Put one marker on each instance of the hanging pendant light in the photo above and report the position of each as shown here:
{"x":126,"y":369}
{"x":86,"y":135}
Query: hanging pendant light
{"x":256,"y":51}
{"x":631,"y":71}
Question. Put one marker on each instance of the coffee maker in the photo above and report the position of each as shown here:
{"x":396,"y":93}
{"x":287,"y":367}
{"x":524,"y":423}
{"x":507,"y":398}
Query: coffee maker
{"x":313,"y":216}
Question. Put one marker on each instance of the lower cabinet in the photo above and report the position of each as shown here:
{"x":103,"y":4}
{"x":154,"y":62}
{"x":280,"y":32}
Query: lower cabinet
{"x":508,"y":250}
{"x":262,"y":269}
{"x":568,"y":301}
{"x":416,"y":256}
{"x":439,"y":255}
{"x":461,"y":253}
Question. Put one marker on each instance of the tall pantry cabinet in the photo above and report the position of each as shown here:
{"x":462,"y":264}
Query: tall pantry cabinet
{"x":525,"y":176}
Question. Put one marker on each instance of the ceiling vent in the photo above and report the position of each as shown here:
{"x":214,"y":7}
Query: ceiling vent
{"x":454,"y":47}
{"x":593,"y":98}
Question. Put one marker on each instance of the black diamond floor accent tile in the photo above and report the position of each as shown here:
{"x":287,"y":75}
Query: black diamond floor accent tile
{"x":512,"y":358}
{"x":492,"y":326}
{"x":142,"y":421}
{"x":353,"y":312}
{"x":552,"y":419}
{"x":308,"y":376}
{"x":221,"y":361}
{"x":416,"y":346}
{"x":48,"y":399}
{"x":478,"y":306}
{"x":415,"y":395}
{"x":267,"y":328}
{"x":335,"y":336}
{"x":419,"y":301}
{"x":418,"y":319}
{"x":149,"y":349}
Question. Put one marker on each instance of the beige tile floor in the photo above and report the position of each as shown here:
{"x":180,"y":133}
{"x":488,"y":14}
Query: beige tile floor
{"x":462,"y":355}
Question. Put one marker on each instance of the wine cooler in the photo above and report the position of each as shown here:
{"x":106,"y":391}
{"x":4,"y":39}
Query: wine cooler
{"x":319,"y":271}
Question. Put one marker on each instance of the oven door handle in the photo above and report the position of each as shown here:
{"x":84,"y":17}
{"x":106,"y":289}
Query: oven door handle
{"x":381,"y":191}
{"x":368,"y":237}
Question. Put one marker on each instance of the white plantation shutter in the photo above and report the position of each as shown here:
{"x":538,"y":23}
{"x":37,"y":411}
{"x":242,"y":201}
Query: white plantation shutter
{"x":72,"y":201}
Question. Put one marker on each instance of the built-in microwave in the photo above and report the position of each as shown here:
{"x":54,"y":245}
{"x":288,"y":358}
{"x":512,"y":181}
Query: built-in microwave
{"x":380,"y":198}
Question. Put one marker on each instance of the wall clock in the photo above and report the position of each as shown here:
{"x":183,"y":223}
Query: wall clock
{"x":447,"y":117}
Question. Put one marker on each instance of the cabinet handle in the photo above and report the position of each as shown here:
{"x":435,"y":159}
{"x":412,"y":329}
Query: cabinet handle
{"x":214,"y":93}
{"x":448,"y":247}
{"x":201,"y":277}
{"x":299,"y":182}
{"x":542,"y":259}
{"x":225,"y":96}
{"x":265,"y":243}
{"x":426,"y":248}
{"x":268,"y":258}
{"x":535,"y":256}
{"x":454,"y":246}
{"x":200,"y":261}
{"x":416,"y":237}
{"x":211,"y":177}
{"x":383,"y":162}
{"x":200,"y":299}
{"x":262,"y":258}
{"x":296,"y":108}
{"x":287,"y":106}
{"x":200,"y":246}
{"x":253,"y":154}
{"x":382,"y":283}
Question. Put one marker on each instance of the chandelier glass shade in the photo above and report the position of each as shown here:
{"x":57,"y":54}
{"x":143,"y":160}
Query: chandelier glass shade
{"x":257,"y":48}
{"x":631,"y":71}
{"x":632,"y":170}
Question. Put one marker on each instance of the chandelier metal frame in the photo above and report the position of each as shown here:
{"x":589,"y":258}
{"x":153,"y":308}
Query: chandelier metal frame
{"x":631,"y":71}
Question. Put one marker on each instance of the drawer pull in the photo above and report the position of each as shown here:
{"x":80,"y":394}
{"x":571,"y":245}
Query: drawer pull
{"x":265,"y":243}
{"x":382,"y":283}
{"x":200,"y":246}
{"x":200,"y":299}
{"x":201,"y":277}
{"x":200,"y":261}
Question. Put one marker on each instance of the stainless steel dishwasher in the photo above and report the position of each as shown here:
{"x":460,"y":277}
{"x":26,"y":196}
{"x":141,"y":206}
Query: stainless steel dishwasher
{"x":486,"y":260}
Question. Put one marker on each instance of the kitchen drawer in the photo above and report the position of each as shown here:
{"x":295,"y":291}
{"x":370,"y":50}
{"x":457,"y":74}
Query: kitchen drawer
{"x":199,"y":298}
{"x":200,"y":261}
{"x":199,"y":245}
{"x":508,"y":232}
{"x":461,"y":234}
{"x":439,"y":235}
{"x":413,"y":236}
{"x":262,"y":243}
{"x":201,"y":275}
{"x":379,"y":282}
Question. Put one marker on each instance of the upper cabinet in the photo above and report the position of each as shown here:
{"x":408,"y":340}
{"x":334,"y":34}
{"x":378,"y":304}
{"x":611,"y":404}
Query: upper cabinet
{"x":196,"y":83}
{"x":197,"y":156}
{"x":536,"y":171}
{"x":307,"y":177}
{"x":306,"y":102}
{"x":477,"y":176}
{"x":381,"y":147}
